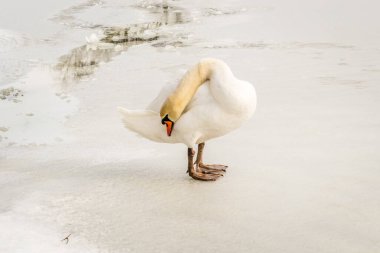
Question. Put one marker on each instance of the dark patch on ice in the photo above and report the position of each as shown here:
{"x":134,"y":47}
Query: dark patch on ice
{"x":175,"y":43}
{"x":217,"y":12}
{"x":11,"y":94}
{"x":134,"y":33}
{"x":179,"y":40}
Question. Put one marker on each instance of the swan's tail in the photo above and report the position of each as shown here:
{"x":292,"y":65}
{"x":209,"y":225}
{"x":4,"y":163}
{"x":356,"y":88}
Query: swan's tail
{"x":144,"y":122}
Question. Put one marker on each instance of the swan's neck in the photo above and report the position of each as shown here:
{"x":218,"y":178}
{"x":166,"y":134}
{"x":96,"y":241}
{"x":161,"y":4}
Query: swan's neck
{"x":176,"y":103}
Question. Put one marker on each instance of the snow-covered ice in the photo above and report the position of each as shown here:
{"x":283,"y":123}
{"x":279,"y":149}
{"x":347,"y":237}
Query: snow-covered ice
{"x":303,"y":173}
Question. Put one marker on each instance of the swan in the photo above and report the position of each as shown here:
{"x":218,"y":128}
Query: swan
{"x":208,"y":102}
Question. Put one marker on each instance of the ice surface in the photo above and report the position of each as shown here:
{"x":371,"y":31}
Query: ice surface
{"x":303,"y":174}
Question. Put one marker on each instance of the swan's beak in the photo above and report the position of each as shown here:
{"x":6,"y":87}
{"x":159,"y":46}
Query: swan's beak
{"x":169,"y":125}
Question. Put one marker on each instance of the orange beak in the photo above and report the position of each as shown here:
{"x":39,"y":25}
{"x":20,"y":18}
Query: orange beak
{"x":169,"y":127}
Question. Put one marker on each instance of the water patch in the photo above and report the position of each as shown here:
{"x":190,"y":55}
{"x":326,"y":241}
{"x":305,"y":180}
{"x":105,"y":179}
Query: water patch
{"x":81,"y":62}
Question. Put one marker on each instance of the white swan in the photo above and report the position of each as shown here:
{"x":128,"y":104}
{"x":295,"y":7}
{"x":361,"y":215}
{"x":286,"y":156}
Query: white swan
{"x":208,"y":102}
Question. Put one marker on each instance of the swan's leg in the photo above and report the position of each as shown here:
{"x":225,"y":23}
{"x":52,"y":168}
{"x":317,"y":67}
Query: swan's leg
{"x":196,"y":174}
{"x":208,"y":168}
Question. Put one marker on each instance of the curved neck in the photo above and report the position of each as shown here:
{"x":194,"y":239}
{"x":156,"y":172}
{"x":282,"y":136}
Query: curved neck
{"x":176,"y":103}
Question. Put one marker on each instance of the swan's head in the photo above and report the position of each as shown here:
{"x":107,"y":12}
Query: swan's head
{"x":169,"y":124}
{"x":170,"y":113}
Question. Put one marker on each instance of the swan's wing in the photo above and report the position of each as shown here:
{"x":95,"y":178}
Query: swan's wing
{"x":156,"y":104}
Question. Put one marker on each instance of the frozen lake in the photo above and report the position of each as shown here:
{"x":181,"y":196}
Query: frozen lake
{"x":303,"y":174}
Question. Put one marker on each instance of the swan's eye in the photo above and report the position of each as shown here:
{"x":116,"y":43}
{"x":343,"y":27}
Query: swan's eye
{"x":166,"y":118}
